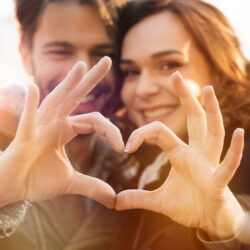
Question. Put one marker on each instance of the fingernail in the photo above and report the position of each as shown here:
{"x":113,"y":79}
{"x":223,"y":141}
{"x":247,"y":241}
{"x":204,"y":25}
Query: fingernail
{"x":177,"y":73}
{"x":241,"y":130}
{"x":121,"y":142}
{"x":128,"y":147}
{"x":101,"y":60}
{"x":209,"y":87}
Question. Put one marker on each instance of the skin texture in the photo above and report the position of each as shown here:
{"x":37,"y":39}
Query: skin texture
{"x":195,"y":194}
{"x":37,"y":156}
{"x":147,"y":61}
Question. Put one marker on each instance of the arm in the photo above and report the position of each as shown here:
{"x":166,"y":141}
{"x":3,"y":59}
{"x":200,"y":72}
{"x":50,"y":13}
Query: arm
{"x":11,"y":216}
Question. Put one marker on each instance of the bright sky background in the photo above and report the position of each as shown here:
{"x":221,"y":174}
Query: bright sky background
{"x":11,"y":70}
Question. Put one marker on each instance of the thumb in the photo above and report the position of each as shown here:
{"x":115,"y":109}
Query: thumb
{"x":135,"y":199}
{"x":92,"y":188}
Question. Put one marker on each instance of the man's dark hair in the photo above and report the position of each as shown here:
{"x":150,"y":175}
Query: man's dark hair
{"x":29,"y":11}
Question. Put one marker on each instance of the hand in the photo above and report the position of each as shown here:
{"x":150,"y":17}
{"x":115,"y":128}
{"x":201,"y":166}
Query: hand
{"x":35,"y":167}
{"x":195,"y":194}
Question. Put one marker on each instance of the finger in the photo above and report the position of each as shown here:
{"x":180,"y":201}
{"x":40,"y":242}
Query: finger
{"x":54,"y":101}
{"x":196,"y":118}
{"x":27,"y":121}
{"x":215,"y":127}
{"x":135,"y":199}
{"x":95,"y":122}
{"x":231,"y":162}
{"x":92,"y":188}
{"x":156,"y":133}
{"x":89,"y":81}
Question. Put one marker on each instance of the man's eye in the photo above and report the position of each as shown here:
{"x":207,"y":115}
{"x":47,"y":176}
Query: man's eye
{"x":60,"y":52}
{"x":129,"y":73}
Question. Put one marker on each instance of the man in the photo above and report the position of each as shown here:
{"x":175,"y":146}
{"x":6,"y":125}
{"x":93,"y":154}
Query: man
{"x":54,"y":36}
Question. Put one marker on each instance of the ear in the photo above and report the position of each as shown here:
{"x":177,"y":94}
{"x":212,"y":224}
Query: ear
{"x":25,"y":52}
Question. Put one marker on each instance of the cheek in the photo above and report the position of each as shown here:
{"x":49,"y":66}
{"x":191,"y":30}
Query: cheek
{"x":48,"y":76}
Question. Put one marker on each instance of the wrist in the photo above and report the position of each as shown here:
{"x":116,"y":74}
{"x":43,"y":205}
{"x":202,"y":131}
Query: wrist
{"x":7,"y":196}
{"x":229,"y":230}
{"x":226,"y":221}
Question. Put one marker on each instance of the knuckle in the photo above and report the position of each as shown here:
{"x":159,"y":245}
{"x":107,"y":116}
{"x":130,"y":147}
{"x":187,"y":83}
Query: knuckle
{"x":158,"y":127}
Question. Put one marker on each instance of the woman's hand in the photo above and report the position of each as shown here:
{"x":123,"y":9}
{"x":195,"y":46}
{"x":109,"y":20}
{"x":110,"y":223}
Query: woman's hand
{"x":195,"y":193}
{"x":35,"y":167}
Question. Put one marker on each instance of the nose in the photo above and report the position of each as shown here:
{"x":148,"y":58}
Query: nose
{"x":147,"y":85}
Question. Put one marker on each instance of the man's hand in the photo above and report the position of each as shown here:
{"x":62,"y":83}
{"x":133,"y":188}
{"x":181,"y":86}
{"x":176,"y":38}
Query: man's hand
{"x":35,"y":167}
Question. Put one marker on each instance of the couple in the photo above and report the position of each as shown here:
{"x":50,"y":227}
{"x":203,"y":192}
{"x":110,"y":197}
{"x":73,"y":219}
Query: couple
{"x":190,"y":205}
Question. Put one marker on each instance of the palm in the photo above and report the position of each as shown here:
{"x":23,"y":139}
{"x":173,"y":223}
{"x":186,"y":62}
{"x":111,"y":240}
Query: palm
{"x":39,"y":165}
{"x":196,"y":188}
{"x":184,"y":190}
{"x":58,"y":171}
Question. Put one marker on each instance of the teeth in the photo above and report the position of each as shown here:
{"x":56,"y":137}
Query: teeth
{"x":156,"y":112}
{"x":88,"y":98}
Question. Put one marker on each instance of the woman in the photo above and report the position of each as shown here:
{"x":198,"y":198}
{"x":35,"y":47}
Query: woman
{"x":155,"y":39}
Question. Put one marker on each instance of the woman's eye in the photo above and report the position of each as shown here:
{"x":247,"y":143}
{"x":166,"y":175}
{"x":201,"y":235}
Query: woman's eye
{"x":169,"y":66}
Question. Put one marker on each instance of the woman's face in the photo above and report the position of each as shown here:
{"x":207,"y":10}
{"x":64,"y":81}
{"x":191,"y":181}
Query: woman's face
{"x":152,"y":50}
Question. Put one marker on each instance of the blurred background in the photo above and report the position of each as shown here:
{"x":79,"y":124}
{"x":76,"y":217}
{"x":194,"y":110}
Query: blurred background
{"x":11,"y":70}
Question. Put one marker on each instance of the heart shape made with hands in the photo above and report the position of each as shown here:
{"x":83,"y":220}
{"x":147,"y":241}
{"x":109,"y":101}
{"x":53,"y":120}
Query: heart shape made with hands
{"x":195,"y":188}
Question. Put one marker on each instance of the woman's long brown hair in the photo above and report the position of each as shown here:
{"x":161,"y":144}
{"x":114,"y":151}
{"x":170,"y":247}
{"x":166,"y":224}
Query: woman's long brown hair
{"x":216,"y":39}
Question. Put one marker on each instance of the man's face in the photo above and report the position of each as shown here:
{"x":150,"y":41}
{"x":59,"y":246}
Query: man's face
{"x":67,"y":33}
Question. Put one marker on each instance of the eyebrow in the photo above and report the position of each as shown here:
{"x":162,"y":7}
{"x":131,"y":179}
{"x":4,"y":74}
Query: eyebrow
{"x":59,"y":44}
{"x":166,"y":53}
{"x":104,"y":46}
{"x":155,"y":56}
{"x":70,"y":46}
